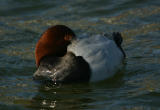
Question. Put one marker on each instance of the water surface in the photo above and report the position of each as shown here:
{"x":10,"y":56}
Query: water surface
{"x":135,"y":87}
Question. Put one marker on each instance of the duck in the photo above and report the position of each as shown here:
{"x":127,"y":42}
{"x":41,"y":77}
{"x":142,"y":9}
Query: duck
{"x":62,"y":57}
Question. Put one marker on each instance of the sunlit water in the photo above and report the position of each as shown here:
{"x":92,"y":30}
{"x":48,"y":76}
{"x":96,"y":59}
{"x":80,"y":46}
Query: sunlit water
{"x":135,"y":87}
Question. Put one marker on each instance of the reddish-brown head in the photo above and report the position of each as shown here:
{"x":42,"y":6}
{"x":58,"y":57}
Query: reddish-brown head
{"x":54,"y":41}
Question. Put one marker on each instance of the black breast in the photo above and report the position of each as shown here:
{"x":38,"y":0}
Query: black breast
{"x":66,"y":69}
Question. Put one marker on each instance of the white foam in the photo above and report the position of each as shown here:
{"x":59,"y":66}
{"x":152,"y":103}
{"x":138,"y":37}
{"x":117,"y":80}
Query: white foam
{"x":101,"y":53}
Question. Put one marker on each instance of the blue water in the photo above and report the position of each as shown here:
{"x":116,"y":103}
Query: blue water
{"x":135,"y":87}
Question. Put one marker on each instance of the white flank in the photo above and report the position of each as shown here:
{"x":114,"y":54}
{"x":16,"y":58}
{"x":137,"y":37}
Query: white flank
{"x":102,"y":54}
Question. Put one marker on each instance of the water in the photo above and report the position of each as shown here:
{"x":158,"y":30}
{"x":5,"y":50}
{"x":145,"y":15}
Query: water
{"x":135,"y":87}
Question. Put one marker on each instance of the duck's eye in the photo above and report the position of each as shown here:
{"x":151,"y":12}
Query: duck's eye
{"x":68,"y":37}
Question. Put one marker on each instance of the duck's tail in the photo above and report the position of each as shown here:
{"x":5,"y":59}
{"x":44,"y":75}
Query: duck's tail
{"x":118,"y":40}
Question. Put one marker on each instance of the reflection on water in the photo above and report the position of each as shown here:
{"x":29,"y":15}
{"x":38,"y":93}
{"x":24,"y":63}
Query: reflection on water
{"x":59,"y":98}
{"x":21,"y":24}
{"x":75,"y":96}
